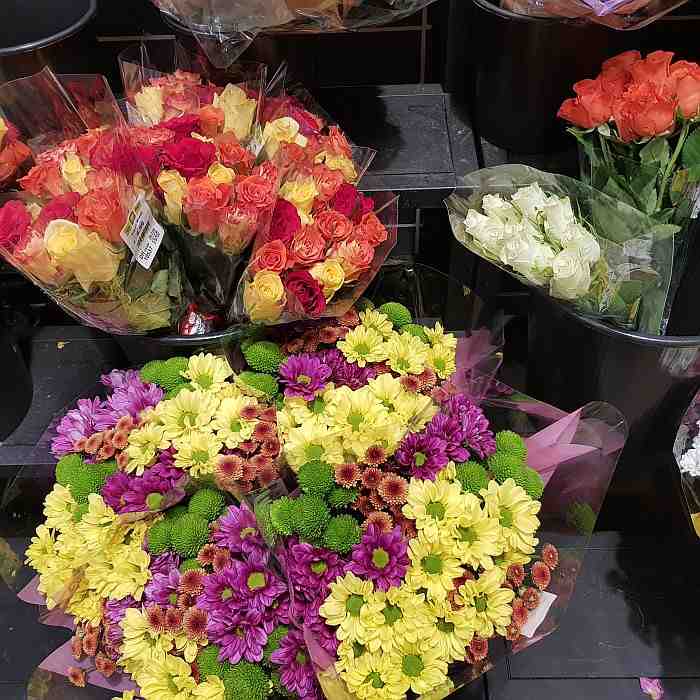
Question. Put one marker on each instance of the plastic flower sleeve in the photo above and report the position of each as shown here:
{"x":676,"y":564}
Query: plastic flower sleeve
{"x":686,"y":451}
{"x":603,"y":257}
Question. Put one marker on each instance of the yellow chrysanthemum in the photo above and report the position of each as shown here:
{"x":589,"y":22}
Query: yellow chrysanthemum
{"x":452,"y":629}
{"x":405,"y":353}
{"x":208,"y":372}
{"x":439,"y":693}
{"x":144,"y":444}
{"x":438,"y":337}
{"x":170,"y":678}
{"x":300,"y":411}
{"x":477,"y":537}
{"x":59,"y":507}
{"x":98,"y":528}
{"x":348,"y":653}
{"x":371,"y":318}
{"x":123,"y":573}
{"x":448,"y":473}
{"x":142,"y":647}
{"x":363,"y":345}
{"x":421,"y":665}
{"x":434,"y":505}
{"x":416,"y":410}
{"x":509,"y":557}
{"x":310,"y":442}
{"x":433,"y":565}
{"x":86,"y":605}
{"x":41,"y":550}
{"x":405,"y":614}
{"x":230,"y":428}
{"x":487,"y":603}
{"x":353,"y":609}
{"x":387,"y":388}
{"x":188,"y":411}
{"x":189,"y":647}
{"x":373,"y":677}
{"x":197,"y":453}
{"x":442,"y":361}
{"x":516,"y":512}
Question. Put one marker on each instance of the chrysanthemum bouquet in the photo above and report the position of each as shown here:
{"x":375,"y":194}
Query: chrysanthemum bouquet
{"x":386,"y":540}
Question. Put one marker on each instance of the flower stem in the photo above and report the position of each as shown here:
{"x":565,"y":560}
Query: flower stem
{"x":671,"y":164}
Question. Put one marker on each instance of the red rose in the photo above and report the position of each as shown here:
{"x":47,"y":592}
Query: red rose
{"x":190,"y":157}
{"x":15,"y":221}
{"x":333,"y":225}
{"x":688,"y":92}
{"x":206,"y":93}
{"x":308,"y":123}
{"x":365,"y":206}
{"x":614,"y":81}
{"x":61,"y":207}
{"x":182,"y":126}
{"x":304,"y":294}
{"x":285,"y":222}
{"x":345,"y":199}
{"x":622,"y":60}
{"x":256,"y":190}
{"x":271,"y":256}
{"x":655,"y":69}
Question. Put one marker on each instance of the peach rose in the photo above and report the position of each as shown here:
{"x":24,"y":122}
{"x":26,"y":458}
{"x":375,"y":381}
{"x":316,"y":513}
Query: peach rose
{"x":271,"y":256}
{"x":203,"y":202}
{"x":308,"y":246}
{"x":354,"y":256}
{"x":688,"y":92}
{"x":370,"y":230}
{"x":101,"y":210}
{"x":44,"y":179}
{"x":327,"y":181}
{"x":233,"y":155}
{"x":211,"y":120}
{"x":237,"y":224}
{"x":256,"y":190}
{"x":333,"y":225}
{"x":622,"y":60}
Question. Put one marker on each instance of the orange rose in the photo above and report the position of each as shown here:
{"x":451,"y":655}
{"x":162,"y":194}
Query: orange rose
{"x":654,"y":69}
{"x":614,"y":81}
{"x":256,"y":190}
{"x":308,"y":246}
{"x":101,"y":211}
{"x":232,"y":154}
{"x":371,"y":230}
{"x":203,"y":202}
{"x":594,"y":100}
{"x":574,"y":112}
{"x":333,"y":225}
{"x":688,"y":92}
{"x":272,"y":256}
{"x":11,"y":157}
{"x":211,"y":120}
{"x":45,"y":179}
{"x":336,"y":143}
{"x":622,"y":60}
{"x":237,"y":225}
{"x":644,"y":111}
{"x":327,"y":181}
{"x":354,"y":256}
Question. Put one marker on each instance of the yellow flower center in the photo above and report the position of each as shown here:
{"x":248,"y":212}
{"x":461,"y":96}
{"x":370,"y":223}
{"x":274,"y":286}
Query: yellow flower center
{"x":412,"y":665}
{"x":432,"y":564}
{"x":319,"y":567}
{"x":154,"y":501}
{"x":375,"y":679}
{"x":354,"y":604}
{"x":419,"y":459}
{"x":444,"y":626}
{"x":435,"y":509}
{"x":256,"y":580}
{"x":301,"y":658}
{"x":481,"y":603}
{"x":506,"y":518}
{"x":200,"y":456}
{"x":467,"y":534}
{"x":304,"y":379}
{"x":380,"y":558}
{"x":392,"y":614}
{"x":226,"y":594}
{"x":355,"y":419}
{"x":314,"y":452}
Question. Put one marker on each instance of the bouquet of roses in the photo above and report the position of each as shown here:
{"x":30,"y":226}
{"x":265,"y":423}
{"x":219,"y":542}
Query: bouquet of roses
{"x":604,"y":257}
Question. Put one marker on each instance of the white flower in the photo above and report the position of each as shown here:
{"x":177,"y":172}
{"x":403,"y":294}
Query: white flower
{"x":496,"y":208}
{"x":571,"y":275}
{"x":690,"y":462}
{"x":586,"y":246}
{"x":527,"y":256}
{"x":486,"y":231}
{"x":530,"y":200}
{"x":559,"y":215}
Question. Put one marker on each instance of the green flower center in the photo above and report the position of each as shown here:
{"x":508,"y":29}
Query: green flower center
{"x":392,"y":614}
{"x":467,"y":534}
{"x":187,"y":419}
{"x":205,"y":381}
{"x":318,"y":405}
{"x":256,"y":580}
{"x":200,"y":456}
{"x":431,"y":564}
{"x":172,"y":599}
{"x":412,"y":665}
{"x":361,"y":349}
{"x":419,"y":459}
{"x":481,"y":603}
{"x":506,"y":518}
{"x":301,"y":658}
{"x":354,"y":604}
{"x":314,"y":452}
{"x":319,"y":567}
{"x":380,"y":558}
{"x":226,"y":593}
{"x":304,"y":379}
{"x":375,"y":679}
{"x":439,"y":364}
{"x":435,"y":509}
{"x":154,"y":501}
{"x":444,"y":626}
{"x":402,"y":364}
{"x":247,"y":532}
{"x":358,"y":649}
{"x":236,"y":426}
{"x":355,"y":419}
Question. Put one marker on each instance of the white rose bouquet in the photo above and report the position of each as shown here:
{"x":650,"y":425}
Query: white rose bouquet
{"x":563,"y":237}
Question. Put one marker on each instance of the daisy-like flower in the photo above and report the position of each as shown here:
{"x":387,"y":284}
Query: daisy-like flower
{"x":208,"y":372}
{"x":410,"y":382}
{"x":229,"y":424}
{"x":487,"y":603}
{"x":380,"y":557}
{"x":229,"y":468}
{"x":219,"y":597}
{"x":375,"y":455}
{"x":452,"y":630}
{"x":516,"y":512}
{"x":296,"y":671}
{"x":197,"y":452}
{"x":379,"y":519}
{"x":540,"y":575}
{"x":355,"y":415}
{"x":550,"y":556}
{"x":237,"y":530}
{"x":422,"y":454}
{"x":257,"y":586}
{"x":442,"y":361}
{"x":194,"y":624}
{"x":387,"y":389}
{"x":477,"y":536}
{"x":144,"y":445}
{"x":371,"y":477}
{"x":158,"y":679}
{"x":303,"y":376}
{"x":155,"y":615}
{"x":438,"y":337}
{"x":348,"y":653}
{"x":59,"y":507}
{"x":478,"y":649}
{"x":405,"y":353}
{"x":310,"y":569}
{"x":353,"y":608}
{"x":515,"y":574}
{"x":393,"y":489}
{"x":363,"y":345}
{"x":373,"y":677}
{"x":311,"y":442}
{"x":240,"y":635}
{"x":531,"y":598}
{"x":76,"y":676}
{"x":141,"y":646}
{"x":189,"y":411}
{"x":433,"y":565}
{"x":405,"y":616}
{"x":416,"y":411}
{"x":371,"y":318}
{"x":347,"y":475}
{"x":473,"y":425}
{"x":163,"y":589}
{"x":520,"y":612}
{"x":422,"y":667}
{"x":434,"y":505}
{"x":79,"y":424}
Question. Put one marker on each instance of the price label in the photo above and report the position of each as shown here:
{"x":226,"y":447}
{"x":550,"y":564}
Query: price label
{"x":142,"y":233}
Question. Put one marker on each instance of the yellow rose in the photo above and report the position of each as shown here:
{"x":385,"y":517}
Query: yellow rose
{"x":220,"y":175}
{"x":3,"y":130}
{"x":174,"y":187}
{"x":149,"y":102}
{"x":81,"y":252}
{"x":239,"y":110}
{"x":282,"y":130}
{"x":74,"y":173}
{"x":345,"y":165}
{"x":264,"y":297}
{"x":301,"y":193}
{"x":35,"y":260}
{"x":330,"y":275}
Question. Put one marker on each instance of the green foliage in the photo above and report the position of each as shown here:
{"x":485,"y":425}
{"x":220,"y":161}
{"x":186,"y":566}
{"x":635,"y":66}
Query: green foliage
{"x":68,"y":467}
{"x":532,"y":483}
{"x":208,"y":662}
{"x":257,"y":384}
{"x":175,"y":512}
{"x":581,"y":517}
{"x":273,"y":641}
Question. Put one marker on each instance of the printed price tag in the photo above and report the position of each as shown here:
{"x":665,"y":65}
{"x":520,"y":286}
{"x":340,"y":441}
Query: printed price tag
{"x":536,"y":616}
{"x":142,"y":233}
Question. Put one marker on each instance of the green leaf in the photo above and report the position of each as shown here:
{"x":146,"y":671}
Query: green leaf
{"x":691,"y":150}
{"x":661,"y":231}
{"x":679,"y":184}
{"x":656,"y":151}
{"x":613,"y":189}
{"x":652,"y":198}
{"x":693,"y":173}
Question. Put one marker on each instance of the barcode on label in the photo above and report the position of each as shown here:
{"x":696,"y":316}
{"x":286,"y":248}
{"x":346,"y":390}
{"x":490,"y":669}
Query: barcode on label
{"x":142,"y":233}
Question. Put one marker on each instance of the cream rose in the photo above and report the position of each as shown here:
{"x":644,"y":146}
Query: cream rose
{"x":343,"y":164}
{"x":527,"y":256}
{"x":497,"y":208}
{"x":571,"y":276}
{"x":559,"y":216}
{"x":530,"y":200}
{"x":149,"y":102}
{"x":279,"y":131}
{"x":239,"y":110}
{"x":490,"y":234}
{"x":264,"y":297}
{"x":221,"y":175}
{"x":330,"y":275}
{"x":174,"y":187}
{"x":301,"y":193}
{"x":74,"y":173}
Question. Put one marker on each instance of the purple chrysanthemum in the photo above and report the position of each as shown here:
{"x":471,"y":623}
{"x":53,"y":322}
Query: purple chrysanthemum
{"x":219,"y":597}
{"x":380,"y":557}
{"x":304,"y":376}
{"x":257,"y":586}
{"x":164,"y":563}
{"x":237,"y":530}
{"x":287,"y":610}
{"x":240,"y":636}
{"x":84,"y":421}
{"x":120,"y":378}
{"x":344,"y":373}
{"x":473,"y":425}
{"x":322,"y":633}
{"x":310,"y":569}
{"x":296,"y":672}
{"x":447,"y":428}
{"x":422,"y":454}
{"x":162,"y":588}
{"x":113,"y":615}
{"x":133,"y":398}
